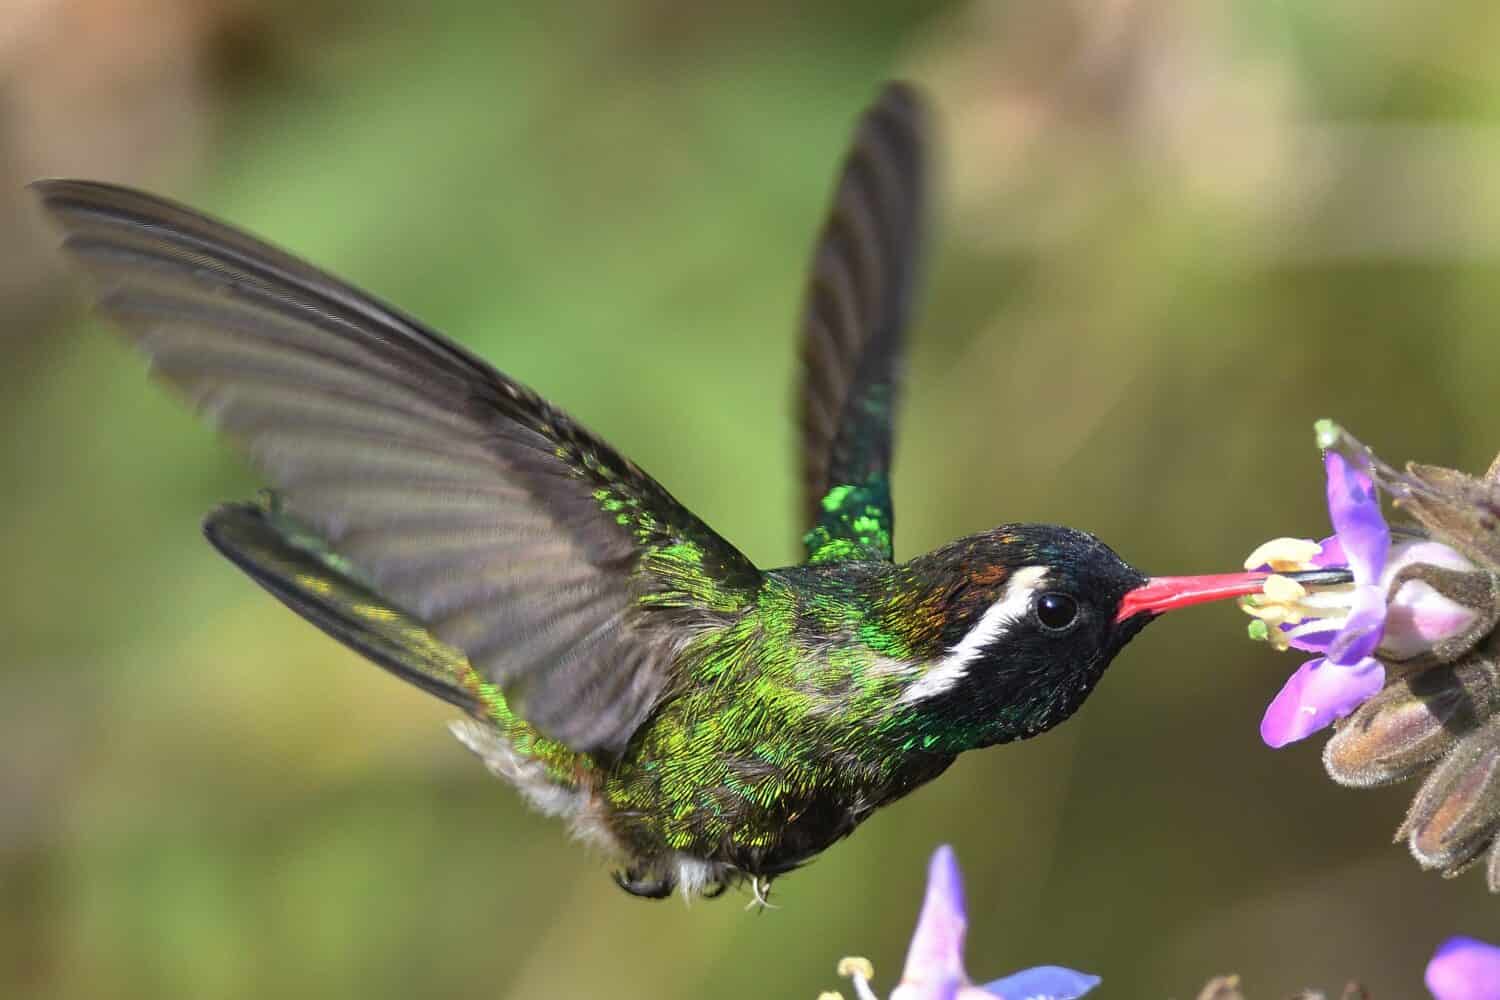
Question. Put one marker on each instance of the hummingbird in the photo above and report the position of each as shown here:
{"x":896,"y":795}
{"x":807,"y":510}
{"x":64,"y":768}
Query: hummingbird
{"x":704,"y":722}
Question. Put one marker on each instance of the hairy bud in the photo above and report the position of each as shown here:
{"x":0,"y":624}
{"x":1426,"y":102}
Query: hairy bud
{"x":1457,"y":812}
{"x":1413,"y":722}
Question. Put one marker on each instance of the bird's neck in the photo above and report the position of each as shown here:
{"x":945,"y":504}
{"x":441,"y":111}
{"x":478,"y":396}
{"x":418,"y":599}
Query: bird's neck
{"x":994,"y":710}
{"x":896,"y":663}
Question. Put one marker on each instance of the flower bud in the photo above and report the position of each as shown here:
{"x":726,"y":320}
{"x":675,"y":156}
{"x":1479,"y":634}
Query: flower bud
{"x":1457,"y":813}
{"x":1413,"y":722}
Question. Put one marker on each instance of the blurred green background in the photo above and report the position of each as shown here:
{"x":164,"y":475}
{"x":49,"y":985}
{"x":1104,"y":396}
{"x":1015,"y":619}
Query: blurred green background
{"x":1172,"y":235}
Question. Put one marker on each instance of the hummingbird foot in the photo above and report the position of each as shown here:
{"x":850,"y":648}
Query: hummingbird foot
{"x":760,"y":889}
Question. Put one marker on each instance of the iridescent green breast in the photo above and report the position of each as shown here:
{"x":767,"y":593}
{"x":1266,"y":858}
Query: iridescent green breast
{"x":781,"y":737}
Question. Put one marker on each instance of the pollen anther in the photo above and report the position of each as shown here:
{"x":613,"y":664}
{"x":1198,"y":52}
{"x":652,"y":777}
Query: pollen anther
{"x":1284,"y":555}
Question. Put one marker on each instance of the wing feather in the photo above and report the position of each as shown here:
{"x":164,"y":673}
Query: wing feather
{"x":857,"y":305}
{"x":466,"y":500}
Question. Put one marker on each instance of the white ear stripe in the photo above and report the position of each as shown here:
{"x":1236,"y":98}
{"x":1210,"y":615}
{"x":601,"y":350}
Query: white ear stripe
{"x":1014,"y":603}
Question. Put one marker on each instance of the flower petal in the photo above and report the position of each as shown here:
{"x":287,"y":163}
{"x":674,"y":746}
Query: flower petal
{"x":934,"y":961}
{"x":1406,"y":550}
{"x":1317,"y":694}
{"x":1419,"y":618}
{"x":1045,"y":982}
{"x":1354,"y":509}
{"x":1312,"y":642}
{"x":1362,"y":629}
{"x":1331,"y":553}
{"x":1465,"y":969}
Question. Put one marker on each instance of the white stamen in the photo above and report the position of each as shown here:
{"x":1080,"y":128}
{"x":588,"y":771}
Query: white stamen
{"x":1014,"y":603}
{"x":860,"y":972}
{"x":1283,"y":601}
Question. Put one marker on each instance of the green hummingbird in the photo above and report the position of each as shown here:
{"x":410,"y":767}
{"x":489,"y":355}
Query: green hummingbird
{"x":703,"y":721}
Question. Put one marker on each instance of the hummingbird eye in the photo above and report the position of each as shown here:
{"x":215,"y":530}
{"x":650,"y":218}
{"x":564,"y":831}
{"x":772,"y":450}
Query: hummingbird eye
{"x":1056,"y":612}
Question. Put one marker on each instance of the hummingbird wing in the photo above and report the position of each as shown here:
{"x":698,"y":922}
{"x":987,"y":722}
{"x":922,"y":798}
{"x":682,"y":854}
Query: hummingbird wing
{"x":301,"y":572}
{"x":855,"y":311}
{"x":563,"y":572}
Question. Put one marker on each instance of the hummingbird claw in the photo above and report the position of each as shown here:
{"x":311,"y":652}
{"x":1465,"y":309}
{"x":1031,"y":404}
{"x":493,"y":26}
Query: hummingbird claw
{"x":760,"y":889}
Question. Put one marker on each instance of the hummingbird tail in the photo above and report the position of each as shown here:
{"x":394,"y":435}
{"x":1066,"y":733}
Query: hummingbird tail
{"x":301,"y":572}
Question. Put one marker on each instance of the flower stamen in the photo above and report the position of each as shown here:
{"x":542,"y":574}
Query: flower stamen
{"x":859,"y":971}
{"x":1284,"y":555}
{"x":1284,"y":605}
{"x":1283,"y":590}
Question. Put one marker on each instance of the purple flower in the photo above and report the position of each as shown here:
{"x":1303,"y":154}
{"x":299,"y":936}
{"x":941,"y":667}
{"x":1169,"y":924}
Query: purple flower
{"x":1336,"y":683}
{"x":935,"y":961}
{"x":1422,"y":602}
{"x":1348,"y":624}
{"x":1465,"y":969}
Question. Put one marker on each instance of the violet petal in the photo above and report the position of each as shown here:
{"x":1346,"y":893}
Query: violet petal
{"x":1332,"y":554}
{"x":1465,"y":969}
{"x":1406,"y":550}
{"x":1354,"y":509}
{"x":935,"y":958}
{"x":1419,"y":618}
{"x":1317,"y":694}
{"x":1362,"y":629}
{"x":1312,"y":642}
{"x":1045,"y":982}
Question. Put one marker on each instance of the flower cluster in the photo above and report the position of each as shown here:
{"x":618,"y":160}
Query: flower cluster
{"x":1407,"y":662}
{"x":1402,"y":621}
{"x":1462,"y":969}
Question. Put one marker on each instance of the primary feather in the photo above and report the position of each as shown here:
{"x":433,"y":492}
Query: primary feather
{"x":558,"y":567}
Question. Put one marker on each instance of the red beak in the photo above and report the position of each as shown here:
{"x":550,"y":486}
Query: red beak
{"x":1167,"y":593}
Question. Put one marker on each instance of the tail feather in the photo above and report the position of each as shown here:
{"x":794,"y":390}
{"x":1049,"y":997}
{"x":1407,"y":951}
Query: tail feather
{"x":294,"y":565}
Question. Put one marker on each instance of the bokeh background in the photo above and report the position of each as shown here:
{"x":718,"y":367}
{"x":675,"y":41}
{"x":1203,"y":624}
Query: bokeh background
{"x":1172,"y":234}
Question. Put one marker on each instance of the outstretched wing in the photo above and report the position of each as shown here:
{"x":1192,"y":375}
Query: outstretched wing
{"x":561,"y":570}
{"x":858,"y":301}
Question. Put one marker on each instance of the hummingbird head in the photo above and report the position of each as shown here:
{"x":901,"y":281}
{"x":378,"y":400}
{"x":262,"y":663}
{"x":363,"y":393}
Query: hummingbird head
{"x":1029,"y":616}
